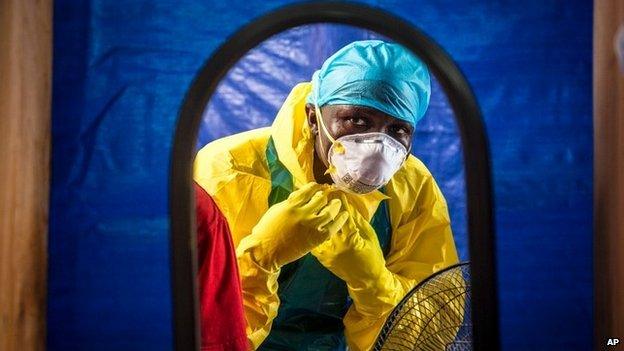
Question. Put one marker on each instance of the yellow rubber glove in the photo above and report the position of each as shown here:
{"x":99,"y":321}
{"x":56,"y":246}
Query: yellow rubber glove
{"x":354,"y":255}
{"x":293,"y":227}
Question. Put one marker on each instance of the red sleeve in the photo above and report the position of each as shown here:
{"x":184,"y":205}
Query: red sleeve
{"x":221,"y":303}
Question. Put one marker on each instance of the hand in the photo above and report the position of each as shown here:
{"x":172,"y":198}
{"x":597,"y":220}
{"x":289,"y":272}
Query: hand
{"x":293,"y":227}
{"x":353,"y":254}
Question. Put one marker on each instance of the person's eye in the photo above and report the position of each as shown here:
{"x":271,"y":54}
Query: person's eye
{"x":358,"y":121}
{"x":400,"y":130}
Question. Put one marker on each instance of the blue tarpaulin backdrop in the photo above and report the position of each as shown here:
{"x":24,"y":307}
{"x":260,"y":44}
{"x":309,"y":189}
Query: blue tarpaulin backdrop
{"x":121,"y":70}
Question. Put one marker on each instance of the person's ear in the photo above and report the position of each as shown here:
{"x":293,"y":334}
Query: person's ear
{"x":311,"y":116}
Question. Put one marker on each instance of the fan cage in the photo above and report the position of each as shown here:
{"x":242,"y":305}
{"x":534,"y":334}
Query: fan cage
{"x":434,"y":315}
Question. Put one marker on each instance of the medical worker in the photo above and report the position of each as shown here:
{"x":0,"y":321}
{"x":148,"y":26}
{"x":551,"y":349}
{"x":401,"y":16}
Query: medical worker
{"x":333,"y":219}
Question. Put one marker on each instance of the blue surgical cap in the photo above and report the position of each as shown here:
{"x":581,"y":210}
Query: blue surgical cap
{"x":376,"y":74}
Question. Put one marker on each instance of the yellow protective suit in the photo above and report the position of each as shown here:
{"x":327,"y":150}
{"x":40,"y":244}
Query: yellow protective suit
{"x":234,"y":171}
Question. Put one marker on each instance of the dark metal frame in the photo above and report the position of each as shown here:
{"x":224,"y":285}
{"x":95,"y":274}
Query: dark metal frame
{"x":467,"y":115}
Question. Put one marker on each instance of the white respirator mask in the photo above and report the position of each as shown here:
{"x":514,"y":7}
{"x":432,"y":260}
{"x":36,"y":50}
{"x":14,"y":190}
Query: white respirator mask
{"x":361,"y":163}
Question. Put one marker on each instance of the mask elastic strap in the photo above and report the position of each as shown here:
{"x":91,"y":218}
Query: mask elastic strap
{"x":319,"y":120}
{"x":336,"y":144}
{"x":338,"y":148}
{"x":319,"y":117}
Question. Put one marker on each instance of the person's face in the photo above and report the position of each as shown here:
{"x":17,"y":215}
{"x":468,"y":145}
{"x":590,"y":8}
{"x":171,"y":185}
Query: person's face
{"x":342,"y":120}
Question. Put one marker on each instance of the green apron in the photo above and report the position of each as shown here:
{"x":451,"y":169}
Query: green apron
{"x":313,"y":300}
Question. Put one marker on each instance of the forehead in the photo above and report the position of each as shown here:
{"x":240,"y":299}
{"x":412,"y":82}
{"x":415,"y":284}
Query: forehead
{"x":338,"y":111}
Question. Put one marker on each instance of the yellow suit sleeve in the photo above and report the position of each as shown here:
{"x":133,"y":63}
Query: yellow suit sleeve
{"x":260,"y":300}
{"x":422,"y":244}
